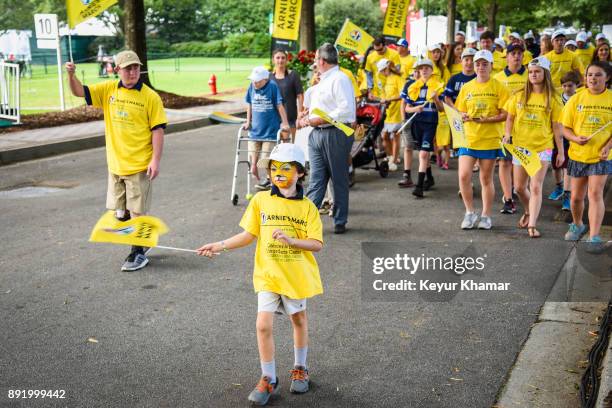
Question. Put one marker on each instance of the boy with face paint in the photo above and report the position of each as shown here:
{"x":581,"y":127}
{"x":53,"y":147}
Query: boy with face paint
{"x":288,"y":230}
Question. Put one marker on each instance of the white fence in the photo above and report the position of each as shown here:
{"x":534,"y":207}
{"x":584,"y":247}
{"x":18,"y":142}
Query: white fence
{"x":9,"y":92}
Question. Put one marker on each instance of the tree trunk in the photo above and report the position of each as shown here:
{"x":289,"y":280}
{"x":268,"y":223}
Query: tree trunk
{"x":135,"y":34}
{"x":491,"y":15}
{"x":450,"y":15}
{"x":307,"y":26}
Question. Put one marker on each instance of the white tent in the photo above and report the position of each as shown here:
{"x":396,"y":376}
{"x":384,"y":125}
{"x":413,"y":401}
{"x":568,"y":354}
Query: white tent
{"x":17,"y":43}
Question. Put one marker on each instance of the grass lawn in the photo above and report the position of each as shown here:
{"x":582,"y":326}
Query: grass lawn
{"x":183,"y":76}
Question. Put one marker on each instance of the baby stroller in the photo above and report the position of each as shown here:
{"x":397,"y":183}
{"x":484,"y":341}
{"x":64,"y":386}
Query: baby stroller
{"x":242,"y":157}
{"x":370,"y":116}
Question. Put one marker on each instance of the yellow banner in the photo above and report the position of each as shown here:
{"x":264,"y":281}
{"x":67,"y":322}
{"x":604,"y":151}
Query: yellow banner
{"x":354,"y":38}
{"x":347,"y":130}
{"x":140,"y":231}
{"x":395,"y":18}
{"x":456,"y":125}
{"x":81,"y":10}
{"x":287,"y":19}
{"x":530,"y":162}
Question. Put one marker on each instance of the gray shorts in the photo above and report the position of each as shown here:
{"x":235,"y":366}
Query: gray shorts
{"x":407,"y":139}
{"x":275,"y":303}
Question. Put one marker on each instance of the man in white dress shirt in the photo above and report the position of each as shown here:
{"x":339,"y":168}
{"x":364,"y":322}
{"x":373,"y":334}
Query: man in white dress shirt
{"x":328,"y":147}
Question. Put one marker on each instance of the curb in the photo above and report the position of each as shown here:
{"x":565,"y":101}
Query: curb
{"x":43,"y":150}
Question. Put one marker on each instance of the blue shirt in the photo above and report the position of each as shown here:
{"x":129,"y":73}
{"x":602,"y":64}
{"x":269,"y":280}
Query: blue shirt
{"x":430,"y":112}
{"x":455,"y":83}
{"x":265,"y":119}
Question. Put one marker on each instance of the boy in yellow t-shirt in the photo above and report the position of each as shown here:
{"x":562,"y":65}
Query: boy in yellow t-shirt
{"x":288,"y":229}
{"x":134,"y":122}
{"x":562,"y":60}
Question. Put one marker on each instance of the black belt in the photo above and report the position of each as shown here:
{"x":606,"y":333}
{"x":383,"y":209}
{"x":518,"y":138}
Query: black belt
{"x":330,"y":126}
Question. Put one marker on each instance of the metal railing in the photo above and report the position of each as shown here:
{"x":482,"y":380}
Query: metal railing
{"x":10,"y":105}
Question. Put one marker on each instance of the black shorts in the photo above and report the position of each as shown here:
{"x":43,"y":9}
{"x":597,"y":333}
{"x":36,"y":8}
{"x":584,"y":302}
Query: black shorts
{"x":423,"y":134}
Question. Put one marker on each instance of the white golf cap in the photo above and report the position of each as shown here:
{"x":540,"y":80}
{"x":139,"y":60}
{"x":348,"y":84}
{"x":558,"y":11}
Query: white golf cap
{"x":284,"y":153}
{"x":485,"y":55}
{"x":468,"y":52}
{"x":500,"y":42}
{"x":557,"y":33}
{"x":529,"y":35}
{"x":571,"y":42}
{"x":435,"y":46}
{"x":460,"y":33}
{"x":515,"y":35}
{"x":382,"y":64}
{"x":424,"y":61}
{"x":541,"y":62}
{"x":259,"y":73}
{"x":601,"y":36}
{"x":582,"y":36}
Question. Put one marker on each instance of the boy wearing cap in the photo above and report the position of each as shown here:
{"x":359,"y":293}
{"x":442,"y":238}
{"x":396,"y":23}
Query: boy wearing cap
{"x":460,"y":37}
{"x":288,"y":230}
{"x":499,"y":56}
{"x":134,"y":121}
{"x":264,"y":115}
{"x":514,"y":75}
{"x":406,"y":60}
{"x":562,"y":60}
{"x":584,"y":51}
{"x":457,"y":81}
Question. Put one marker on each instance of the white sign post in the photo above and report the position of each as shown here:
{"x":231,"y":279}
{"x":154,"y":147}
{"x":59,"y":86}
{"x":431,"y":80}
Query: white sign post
{"x":47,"y":36}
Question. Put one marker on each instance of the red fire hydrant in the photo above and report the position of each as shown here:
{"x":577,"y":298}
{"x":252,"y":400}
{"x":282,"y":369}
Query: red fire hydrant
{"x":212,"y":83}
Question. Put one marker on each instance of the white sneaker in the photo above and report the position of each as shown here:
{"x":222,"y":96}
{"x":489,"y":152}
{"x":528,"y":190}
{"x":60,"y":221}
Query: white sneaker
{"x":392,"y":166}
{"x":469,"y":220}
{"x":485,"y":223}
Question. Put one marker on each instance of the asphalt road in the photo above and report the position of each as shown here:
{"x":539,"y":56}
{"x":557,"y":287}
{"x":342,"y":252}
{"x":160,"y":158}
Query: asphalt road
{"x":181,"y":332}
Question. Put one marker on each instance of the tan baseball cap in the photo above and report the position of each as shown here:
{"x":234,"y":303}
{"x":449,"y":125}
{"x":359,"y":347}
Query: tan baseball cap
{"x":127,"y":58}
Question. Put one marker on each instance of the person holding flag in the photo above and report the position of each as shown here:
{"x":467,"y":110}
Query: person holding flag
{"x":481,"y":102}
{"x":134,"y":121}
{"x":587,"y":121}
{"x":531,"y":126}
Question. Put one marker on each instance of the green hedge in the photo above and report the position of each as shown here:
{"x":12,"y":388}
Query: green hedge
{"x":234,"y":45}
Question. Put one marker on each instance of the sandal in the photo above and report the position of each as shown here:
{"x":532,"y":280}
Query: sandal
{"x":524,"y":221}
{"x":533,"y":232}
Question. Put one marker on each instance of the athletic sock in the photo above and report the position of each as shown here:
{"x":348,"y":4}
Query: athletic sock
{"x":300,"y":356}
{"x":429,"y":174}
{"x":268,"y":369}
{"x":407,"y":173}
{"x":421,"y":179}
{"x":119,"y":214}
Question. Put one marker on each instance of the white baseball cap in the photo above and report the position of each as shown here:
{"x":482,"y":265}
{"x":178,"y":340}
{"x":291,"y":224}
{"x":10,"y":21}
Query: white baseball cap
{"x":582,"y":36}
{"x":557,"y":33}
{"x":284,"y":153}
{"x":485,"y":55}
{"x":600,"y":36}
{"x":529,"y":34}
{"x":468,"y":52}
{"x":460,"y":33}
{"x":541,"y":62}
{"x":571,"y":42}
{"x":515,"y":35}
{"x":259,"y":73}
{"x":424,"y":61}
{"x":435,"y":46}
{"x":382,"y":64}
{"x":500,"y":42}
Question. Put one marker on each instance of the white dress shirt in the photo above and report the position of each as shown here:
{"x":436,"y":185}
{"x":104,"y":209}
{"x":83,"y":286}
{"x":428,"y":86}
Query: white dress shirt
{"x":335,"y":96}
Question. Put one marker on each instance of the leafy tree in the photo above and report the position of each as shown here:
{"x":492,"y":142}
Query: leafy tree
{"x":330,"y":15}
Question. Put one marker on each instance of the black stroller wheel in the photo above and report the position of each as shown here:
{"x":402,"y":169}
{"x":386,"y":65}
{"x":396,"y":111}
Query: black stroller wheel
{"x":235,"y":199}
{"x":383,"y":168}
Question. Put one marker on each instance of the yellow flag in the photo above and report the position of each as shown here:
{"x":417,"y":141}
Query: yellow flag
{"x":353,"y":37}
{"x":81,"y":10}
{"x":347,"y":130}
{"x":531,"y":162}
{"x":456,"y":125}
{"x":395,"y":18}
{"x":139,"y":231}
{"x":287,"y":19}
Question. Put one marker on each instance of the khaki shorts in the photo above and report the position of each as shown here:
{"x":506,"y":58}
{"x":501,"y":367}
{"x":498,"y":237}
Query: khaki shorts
{"x":275,"y":303}
{"x":131,"y":192}
{"x":407,"y":139}
{"x":261,"y":149}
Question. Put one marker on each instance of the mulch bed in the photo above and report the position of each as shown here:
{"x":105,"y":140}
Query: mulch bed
{"x":87,"y":113}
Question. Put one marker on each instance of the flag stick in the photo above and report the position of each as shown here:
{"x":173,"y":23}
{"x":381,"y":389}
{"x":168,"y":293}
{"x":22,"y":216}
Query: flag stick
{"x":407,"y":122}
{"x":70,"y":45}
{"x":599,"y":130}
{"x":180,"y":249}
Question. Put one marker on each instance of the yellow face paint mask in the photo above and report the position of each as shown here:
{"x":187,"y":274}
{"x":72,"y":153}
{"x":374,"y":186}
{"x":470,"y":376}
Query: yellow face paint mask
{"x":282,"y":174}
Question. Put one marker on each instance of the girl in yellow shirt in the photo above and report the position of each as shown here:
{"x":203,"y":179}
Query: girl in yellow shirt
{"x":587,"y":120}
{"x":532,"y":124}
{"x":481,"y":103}
{"x":453,"y":59}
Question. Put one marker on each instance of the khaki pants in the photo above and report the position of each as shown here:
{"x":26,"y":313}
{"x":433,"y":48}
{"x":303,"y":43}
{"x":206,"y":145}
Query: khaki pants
{"x":132,"y":192}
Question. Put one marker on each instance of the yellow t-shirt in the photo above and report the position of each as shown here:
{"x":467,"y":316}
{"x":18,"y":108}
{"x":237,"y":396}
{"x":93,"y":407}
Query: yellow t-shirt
{"x":514,"y":82}
{"x":373,"y":58}
{"x":561,"y":64}
{"x":584,"y":55}
{"x":532,"y":128}
{"x":499,"y":62}
{"x":393,"y":88}
{"x":279,"y":268}
{"x":406,"y":64}
{"x":586,"y":113}
{"x":129,"y":116}
{"x":349,"y":74}
{"x":456,"y":69}
{"x":482,"y":100}
{"x":527,"y":57}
